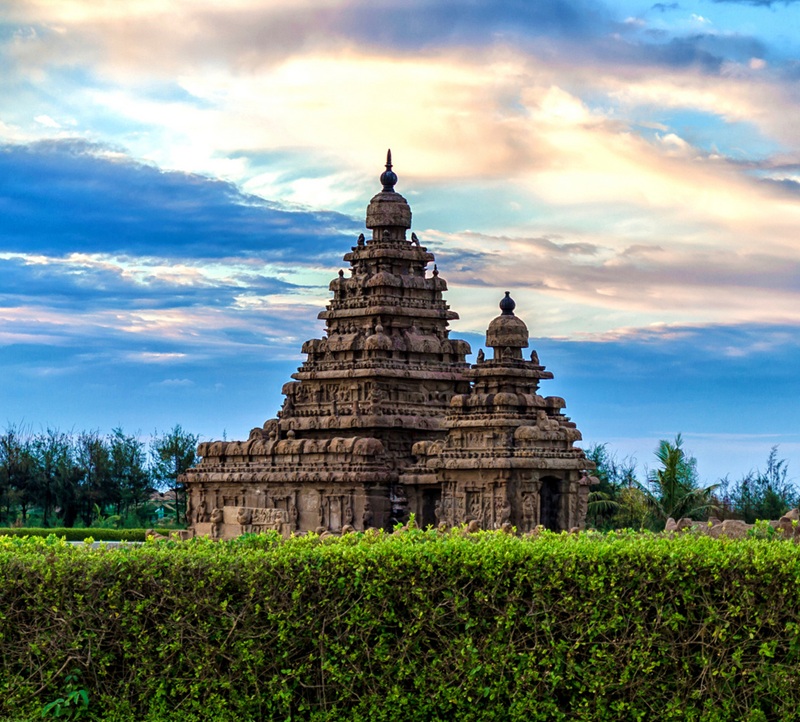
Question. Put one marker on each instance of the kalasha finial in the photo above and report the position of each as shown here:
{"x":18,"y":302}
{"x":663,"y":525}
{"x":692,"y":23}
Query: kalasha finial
{"x":388,"y":177}
{"x":507,"y":305}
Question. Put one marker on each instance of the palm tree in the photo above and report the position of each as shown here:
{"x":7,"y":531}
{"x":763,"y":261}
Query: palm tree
{"x":673,"y":490}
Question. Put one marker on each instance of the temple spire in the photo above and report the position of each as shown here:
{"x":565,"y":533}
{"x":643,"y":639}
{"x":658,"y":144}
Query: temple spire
{"x":388,"y":177}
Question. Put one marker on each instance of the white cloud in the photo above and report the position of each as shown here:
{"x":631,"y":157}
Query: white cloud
{"x":173,"y":383}
{"x":47,"y":121}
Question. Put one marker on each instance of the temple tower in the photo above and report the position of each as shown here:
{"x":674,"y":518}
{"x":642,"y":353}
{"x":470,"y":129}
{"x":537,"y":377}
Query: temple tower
{"x":386,"y":367}
{"x":385,"y":417}
{"x":509,"y":454}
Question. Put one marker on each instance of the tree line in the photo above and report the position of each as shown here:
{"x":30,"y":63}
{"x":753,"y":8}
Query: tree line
{"x":673,"y":489}
{"x":57,"y":478}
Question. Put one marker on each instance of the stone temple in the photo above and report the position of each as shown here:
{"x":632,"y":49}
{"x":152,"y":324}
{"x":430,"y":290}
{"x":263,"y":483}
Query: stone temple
{"x":386,"y":418}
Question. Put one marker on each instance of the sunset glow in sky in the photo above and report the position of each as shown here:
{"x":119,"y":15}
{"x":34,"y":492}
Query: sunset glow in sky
{"x":179,"y":181}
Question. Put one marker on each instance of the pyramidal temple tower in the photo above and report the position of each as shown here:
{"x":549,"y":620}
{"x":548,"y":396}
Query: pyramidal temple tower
{"x":385,"y":418}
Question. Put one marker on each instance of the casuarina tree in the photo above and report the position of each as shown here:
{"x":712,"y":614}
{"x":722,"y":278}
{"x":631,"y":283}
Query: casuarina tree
{"x":173,"y":453}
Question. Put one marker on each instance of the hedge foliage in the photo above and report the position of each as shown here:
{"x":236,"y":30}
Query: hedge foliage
{"x":415,"y":626}
{"x":78,"y":534}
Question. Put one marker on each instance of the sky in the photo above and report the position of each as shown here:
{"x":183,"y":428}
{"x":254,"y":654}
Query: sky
{"x":179,"y":181}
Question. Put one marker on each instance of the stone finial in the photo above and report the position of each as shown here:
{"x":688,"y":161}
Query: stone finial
{"x":388,"y":177}
{"x":507,"y":305}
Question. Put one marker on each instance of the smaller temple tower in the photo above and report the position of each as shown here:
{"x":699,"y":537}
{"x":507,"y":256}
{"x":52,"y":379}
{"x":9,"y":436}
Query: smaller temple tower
{"x":509,"y":454}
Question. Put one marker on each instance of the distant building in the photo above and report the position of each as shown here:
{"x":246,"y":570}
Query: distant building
{"x":385,"y":418}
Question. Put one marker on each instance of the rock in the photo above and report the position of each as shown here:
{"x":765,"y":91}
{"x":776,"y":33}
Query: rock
{"x":735,"y":528}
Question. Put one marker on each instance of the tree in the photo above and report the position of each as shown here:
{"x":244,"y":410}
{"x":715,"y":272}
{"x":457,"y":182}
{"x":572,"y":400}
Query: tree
{"x":608,"y":499}
{"x":16,"y":472}
{"x":174,"y":453}
{"x":763,"y":495}
{"x":673,"y":490}
{"x":54,"y":471}
{"x":129,"y":471}
{"x":94,"y":461}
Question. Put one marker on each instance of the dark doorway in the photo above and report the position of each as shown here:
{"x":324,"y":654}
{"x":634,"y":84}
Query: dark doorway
{"x":549,"y":501}
{"x":429,"y":499}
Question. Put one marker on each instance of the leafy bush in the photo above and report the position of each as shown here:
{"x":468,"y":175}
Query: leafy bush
{"x":413,"y":626}
{"x":77,"y":534}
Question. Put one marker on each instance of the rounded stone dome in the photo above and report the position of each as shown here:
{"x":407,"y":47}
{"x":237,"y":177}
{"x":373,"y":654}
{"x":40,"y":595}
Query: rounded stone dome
{"x":507,"y":330}
{"x":388,"y":208}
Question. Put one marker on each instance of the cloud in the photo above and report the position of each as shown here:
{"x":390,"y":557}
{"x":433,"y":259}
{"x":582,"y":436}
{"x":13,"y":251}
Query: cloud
{"x":173,"y":383}
{"x":249,"y":35}
{"x":757,"y":3}
{"x":81,"y":282}
{"x":115,"y":262}
{"x":107,"y":235}
{"x":582,"y":285}
{"x":712,"y":52}
{"x":523,"y":86}
{"x":68,"y":196}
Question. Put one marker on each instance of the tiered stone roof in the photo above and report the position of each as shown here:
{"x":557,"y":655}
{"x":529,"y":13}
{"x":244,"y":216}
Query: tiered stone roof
{"x":386,"y":364}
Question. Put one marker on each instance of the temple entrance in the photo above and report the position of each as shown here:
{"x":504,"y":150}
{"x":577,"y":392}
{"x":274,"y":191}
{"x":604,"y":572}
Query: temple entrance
{"x":430,"y":497}
{"x":549,"y":503}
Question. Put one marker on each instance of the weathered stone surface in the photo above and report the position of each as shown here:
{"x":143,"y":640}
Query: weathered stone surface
{"x":734,"y":528}
{"x":386,"y":419}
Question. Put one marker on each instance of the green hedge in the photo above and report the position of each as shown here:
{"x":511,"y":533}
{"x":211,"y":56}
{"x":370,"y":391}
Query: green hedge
{"x":75,"y":534}
{"x":405,"y":627}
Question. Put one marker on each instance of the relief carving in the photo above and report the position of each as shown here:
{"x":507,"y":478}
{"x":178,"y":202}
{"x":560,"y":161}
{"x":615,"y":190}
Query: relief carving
{"x":217,"y":519}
